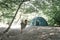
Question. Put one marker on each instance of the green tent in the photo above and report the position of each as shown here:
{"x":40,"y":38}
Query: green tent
{"x":38,"y":21}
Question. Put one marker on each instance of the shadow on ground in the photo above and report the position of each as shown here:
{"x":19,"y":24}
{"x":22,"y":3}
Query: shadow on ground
{"x":33,"y":33}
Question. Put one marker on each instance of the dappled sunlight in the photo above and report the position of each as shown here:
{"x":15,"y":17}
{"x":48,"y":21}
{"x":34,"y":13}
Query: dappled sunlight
{"x":3,"y":25}
{"x":14,"y":26}
{"x":17,"y":21}
{"x":29,"y":20}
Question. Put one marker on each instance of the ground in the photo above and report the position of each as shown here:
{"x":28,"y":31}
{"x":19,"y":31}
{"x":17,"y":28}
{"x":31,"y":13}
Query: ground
{"x":32,"y":33}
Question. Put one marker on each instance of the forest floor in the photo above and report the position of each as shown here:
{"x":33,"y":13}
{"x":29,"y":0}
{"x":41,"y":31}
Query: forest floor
{"x":32,"y":33}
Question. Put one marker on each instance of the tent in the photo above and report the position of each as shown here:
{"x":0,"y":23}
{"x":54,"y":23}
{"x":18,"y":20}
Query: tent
{"x":38,"y":21}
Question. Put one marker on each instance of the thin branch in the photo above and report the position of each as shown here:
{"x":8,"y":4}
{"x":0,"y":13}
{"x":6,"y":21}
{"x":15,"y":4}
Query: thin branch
{"x":13,"y":18}
{"x":15,"y":15}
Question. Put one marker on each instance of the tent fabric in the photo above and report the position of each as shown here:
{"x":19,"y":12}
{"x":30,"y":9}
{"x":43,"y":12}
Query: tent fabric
{"x":39,"y":21}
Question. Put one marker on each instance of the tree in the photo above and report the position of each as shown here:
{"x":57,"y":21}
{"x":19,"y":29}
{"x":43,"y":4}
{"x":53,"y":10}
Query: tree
{"x":14,"y":17}
{"x":48,"y":7}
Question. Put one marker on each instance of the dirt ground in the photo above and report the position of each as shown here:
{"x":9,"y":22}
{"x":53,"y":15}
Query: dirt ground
{"x":33,"y":33}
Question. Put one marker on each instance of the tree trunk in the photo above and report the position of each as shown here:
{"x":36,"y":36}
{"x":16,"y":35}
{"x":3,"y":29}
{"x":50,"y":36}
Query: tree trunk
{"x":13,"y":18}
{"x":15,"y":15}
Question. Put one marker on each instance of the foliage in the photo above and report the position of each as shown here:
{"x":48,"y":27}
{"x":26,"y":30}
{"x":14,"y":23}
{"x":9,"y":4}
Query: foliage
{"x":50,"y":8}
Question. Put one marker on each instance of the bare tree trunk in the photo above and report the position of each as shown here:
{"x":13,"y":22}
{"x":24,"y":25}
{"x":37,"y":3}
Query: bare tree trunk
{"x":15,"y":15}
{"x":13,"y":18}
